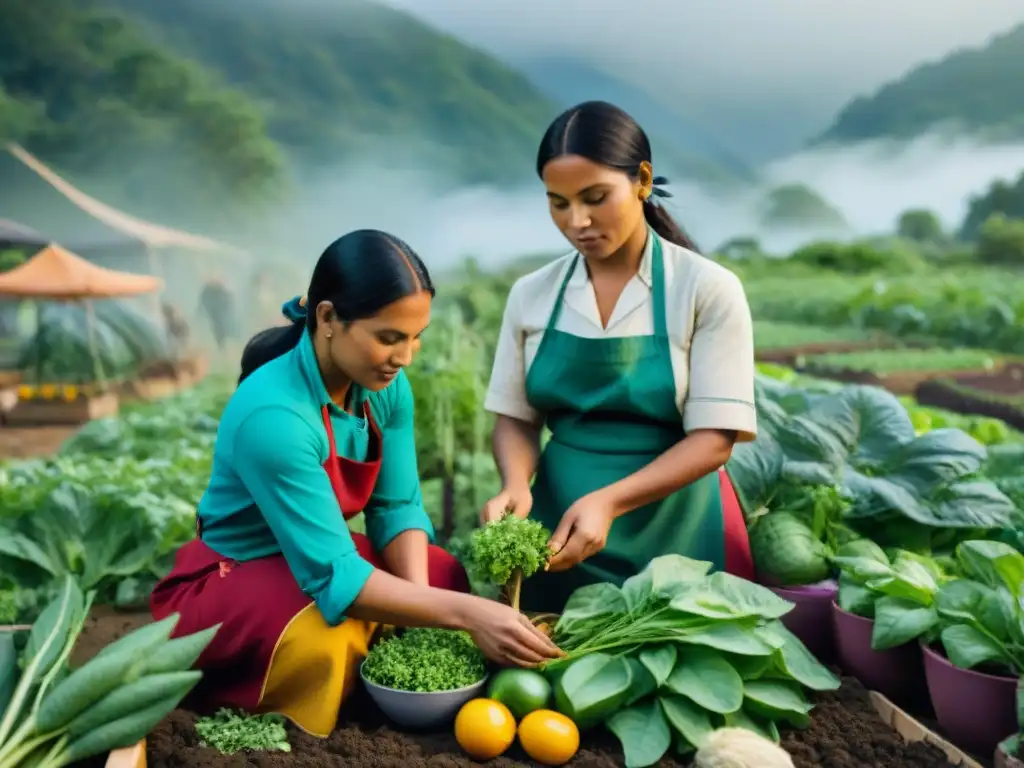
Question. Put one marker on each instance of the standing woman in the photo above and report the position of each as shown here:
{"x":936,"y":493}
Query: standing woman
{"x":637,"y":353}
{"x":320,"y":429}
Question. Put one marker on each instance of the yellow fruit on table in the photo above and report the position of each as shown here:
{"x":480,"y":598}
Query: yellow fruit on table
{"x":484,"y":728}
{"x":549,"y":737}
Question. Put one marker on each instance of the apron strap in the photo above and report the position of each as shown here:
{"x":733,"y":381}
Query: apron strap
{"x":332,"y":452}
{"x":658,"y":288}
{"x":556,"y":311}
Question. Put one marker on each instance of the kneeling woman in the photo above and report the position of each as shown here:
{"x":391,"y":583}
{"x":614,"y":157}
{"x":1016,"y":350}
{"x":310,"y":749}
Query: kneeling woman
{"x":319,"y":429}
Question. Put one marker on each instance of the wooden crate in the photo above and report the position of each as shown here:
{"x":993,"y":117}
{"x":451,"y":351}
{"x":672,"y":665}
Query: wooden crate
{"x":129,"y":757}
{"x":911,"y":730}
{"x":40,"y":412}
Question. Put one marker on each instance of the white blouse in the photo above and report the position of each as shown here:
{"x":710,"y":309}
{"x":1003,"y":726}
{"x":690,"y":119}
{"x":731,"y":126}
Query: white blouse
{"x":711,"y":335}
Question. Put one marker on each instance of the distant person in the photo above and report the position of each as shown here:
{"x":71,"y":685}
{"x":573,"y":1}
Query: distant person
{"x":217,"y":302}
{"x":638,"y":354}
{"x":319,"y":429}
{"x":176,"y":327}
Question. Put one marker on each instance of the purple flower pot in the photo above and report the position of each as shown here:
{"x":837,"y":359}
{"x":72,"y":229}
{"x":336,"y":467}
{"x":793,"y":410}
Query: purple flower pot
{"x":811,"y":618}
{"x":975,"y":710}
{"x":896,"y":673}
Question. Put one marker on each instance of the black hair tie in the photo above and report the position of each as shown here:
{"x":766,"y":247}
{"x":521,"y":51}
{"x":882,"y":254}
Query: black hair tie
{"x":656,"y":187}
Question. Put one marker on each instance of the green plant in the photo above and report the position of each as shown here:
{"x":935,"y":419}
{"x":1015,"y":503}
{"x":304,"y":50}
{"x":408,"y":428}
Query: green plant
{"x":897,"y":593}
{"x":506,"y":551}
{"x":231,"y":732}
{"x":675,"y":653}
{"x":54,"y":716}
{"x":425,"y":660}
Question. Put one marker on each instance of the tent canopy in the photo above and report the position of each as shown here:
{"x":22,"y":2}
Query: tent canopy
{"x":60,"y":275}
{"x":51,"y":191}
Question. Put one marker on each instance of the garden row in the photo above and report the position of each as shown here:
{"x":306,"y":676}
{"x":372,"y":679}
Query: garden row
{"x":833,"y":464}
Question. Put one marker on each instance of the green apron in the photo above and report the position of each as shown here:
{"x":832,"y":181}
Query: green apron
{"x":610,"y":404}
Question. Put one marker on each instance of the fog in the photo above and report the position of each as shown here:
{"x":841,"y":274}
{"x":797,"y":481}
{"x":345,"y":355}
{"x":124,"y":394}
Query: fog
{"x":870,"y":183}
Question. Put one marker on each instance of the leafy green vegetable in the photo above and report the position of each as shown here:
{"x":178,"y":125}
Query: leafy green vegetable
{"x":425,"y":660}
{"x":675,"y":653}
{"x":231,"y":732}
{"x":506,"y":551}
{"x":899,"y":594}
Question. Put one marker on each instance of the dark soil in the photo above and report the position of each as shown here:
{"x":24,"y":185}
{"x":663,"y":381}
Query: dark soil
{"x":788,"y":356}
{"x":845,"y":732}
{"x":978,"y":395}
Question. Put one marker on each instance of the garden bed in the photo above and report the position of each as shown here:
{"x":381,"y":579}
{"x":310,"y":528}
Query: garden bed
{"x":902,"y":371}
{"x":846,"y":731}
{"x":785,"y":343}
{"x":998,"y":395}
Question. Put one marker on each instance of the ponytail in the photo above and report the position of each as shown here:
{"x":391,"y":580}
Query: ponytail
{"x":272,"y":343}
{"x":662,"y":222}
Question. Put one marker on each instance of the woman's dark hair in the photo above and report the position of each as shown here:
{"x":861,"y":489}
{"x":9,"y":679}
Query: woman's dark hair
{"x":359,"y":273}
{"x":605,"y":134}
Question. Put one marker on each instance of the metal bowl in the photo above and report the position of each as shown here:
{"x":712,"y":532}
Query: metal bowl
{"x":418,"y":710}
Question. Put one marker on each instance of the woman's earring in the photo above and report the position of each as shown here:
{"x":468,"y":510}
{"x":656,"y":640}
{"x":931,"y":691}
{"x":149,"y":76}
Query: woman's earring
{"x":328,"y":334}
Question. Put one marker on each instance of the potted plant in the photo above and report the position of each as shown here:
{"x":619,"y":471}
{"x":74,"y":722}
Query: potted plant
{"x":53,"y":716}
{"x":883,"y":608}
{"x":974,"y":670}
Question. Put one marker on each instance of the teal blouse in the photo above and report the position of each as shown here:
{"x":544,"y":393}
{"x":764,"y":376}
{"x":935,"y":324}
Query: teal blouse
{"x":269,"y":493}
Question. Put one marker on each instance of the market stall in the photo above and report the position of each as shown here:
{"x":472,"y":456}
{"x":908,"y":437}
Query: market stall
{"x":49,"y":391}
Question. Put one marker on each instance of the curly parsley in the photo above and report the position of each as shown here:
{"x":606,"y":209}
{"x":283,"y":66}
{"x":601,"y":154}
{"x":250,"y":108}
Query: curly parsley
{"x":426,"y":661}
{"x":504,"y":546}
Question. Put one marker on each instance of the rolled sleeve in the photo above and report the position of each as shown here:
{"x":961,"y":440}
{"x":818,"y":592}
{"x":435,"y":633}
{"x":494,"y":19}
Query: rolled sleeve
{"x":288,"y":484}
{"x":721,"y":391}
{"x":396,"y":504}
{"x":506,"y":392}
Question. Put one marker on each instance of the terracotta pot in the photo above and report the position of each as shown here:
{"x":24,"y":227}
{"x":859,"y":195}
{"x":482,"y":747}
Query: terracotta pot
{"x":811,"y":618}
{"x":975,"y":710}
{"x":129,"y":757}
{"x":896,"y":673}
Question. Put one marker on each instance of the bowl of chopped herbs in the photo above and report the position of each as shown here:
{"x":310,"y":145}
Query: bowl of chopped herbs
{"x":422,"y":677}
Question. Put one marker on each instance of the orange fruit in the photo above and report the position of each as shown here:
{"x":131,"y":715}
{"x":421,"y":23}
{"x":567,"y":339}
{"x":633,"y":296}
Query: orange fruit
{"x":549,"y":737}
{"x":484,"y":728}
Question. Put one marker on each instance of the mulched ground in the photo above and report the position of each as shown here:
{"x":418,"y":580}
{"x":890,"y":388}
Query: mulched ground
{"x":845,"y":732}
{"x":991,"y":398}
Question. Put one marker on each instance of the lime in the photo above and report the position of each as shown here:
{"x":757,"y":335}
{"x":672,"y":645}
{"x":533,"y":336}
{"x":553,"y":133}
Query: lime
{"x":521,"y":690}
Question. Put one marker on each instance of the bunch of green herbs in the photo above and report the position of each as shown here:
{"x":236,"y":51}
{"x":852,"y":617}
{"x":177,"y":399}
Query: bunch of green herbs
{"x":506,"y":551}
{"x":675,"y":654}
{"x":425,"y":661}
{"x":231,"y":732}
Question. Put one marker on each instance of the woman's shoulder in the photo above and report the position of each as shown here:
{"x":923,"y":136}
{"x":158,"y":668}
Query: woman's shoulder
{"x":690,"y":271}
{"x":271,"y":394}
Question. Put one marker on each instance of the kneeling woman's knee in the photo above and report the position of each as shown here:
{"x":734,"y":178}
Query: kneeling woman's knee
{"x":446,"y":572}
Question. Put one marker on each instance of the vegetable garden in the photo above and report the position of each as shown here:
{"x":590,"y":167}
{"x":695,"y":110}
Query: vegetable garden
{"x":896,"y":522}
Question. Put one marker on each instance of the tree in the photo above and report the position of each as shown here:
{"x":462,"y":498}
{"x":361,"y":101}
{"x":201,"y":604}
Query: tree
{"x":1002,"y":197}
{"x":920,"y":225}
{"x":1001,"y":241}
{"x":797,"y":205}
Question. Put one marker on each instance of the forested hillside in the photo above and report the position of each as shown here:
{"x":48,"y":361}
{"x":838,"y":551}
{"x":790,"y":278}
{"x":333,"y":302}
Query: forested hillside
{"x":977,"y":91}
{"x":154,"y":102}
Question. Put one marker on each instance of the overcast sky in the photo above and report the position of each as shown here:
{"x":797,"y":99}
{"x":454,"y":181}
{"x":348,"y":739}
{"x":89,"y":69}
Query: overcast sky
{"x":733,"y":56}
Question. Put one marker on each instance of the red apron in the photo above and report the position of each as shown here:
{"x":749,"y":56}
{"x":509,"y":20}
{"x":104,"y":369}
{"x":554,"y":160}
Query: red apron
{"x":255,"y":601}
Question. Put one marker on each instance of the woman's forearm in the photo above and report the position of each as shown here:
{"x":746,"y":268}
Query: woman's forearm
{"x":406,"y":556}
{"x":693,"y":457}
{"x":389,"y":599}
{"x":516,"y":446}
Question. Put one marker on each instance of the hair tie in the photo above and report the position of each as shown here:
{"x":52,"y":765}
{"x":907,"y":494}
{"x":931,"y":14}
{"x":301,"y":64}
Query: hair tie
{"x":295,"y":309}
{"x":656,"y":187}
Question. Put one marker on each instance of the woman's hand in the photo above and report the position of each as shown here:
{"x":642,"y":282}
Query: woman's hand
{"x":505,"y":636}
{"x":516,"y":500}
{"x":582,"y":532}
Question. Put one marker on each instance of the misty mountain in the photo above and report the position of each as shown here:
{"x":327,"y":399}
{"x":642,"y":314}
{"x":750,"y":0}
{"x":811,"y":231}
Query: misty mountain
{"x":355,"y":77}
{"x":973,"y":91}
{"x":680,"y":144}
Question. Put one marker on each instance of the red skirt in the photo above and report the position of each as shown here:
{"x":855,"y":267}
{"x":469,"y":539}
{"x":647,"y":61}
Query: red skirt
{"x":273,"y":652}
